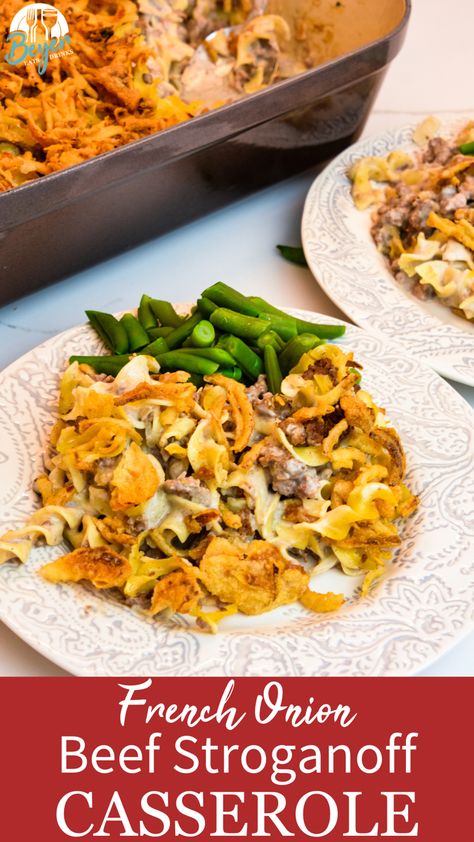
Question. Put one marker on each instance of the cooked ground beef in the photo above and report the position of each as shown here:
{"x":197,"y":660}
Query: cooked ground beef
{"x":422,"y":291}
{"x":261,"y":399}
{"x":467,"y":187}
{"x":249,"y":524}
{"x":322,"y":366}
{"x":104,"y":471}
{"x":312,"y":432}
{"x":420,"y":211}
{"x":264,"y":57}
{"x":451,"y":199}
{"x":102,"y":378}
{"x":288,"y":476}
{"x":175,"y":467}
{"x":142,"y":601}
{"x":135,"y":525}
{"x":405,"y":213}
{"x":439,"y":151}
{"x":295,"y":432}
{"x":189,"y":488}
{"x":397,"y":217}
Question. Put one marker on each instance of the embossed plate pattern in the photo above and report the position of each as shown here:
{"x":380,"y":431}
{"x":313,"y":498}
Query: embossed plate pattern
{"x":345,"y":262}
{"x":425,"y":603}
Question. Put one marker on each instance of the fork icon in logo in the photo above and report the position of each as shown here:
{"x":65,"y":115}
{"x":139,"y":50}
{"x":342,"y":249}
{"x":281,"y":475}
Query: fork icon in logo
{"x":30,"y":20}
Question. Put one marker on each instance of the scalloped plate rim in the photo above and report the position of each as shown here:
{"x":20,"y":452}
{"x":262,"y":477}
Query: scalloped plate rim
{"x":74,"y":664}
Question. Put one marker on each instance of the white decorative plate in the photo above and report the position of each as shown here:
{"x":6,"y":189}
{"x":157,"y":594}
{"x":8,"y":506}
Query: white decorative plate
{"x":425,"y":603}
{"x":345,"y":262}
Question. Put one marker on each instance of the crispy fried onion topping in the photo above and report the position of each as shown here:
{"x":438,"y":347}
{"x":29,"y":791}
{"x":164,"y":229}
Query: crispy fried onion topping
{"x":173,"y":497}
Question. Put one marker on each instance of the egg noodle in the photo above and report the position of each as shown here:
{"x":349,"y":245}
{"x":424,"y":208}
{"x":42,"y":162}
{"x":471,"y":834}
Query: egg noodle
{"x":220,"y":499}
{"x":423,"y":217}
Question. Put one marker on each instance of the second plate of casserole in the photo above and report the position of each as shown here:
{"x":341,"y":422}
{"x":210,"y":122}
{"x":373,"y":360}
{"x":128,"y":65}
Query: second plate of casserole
{"x":346,"y":262}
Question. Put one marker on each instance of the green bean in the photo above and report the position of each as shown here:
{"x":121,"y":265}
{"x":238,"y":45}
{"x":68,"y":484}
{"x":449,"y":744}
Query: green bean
{"x":196,"y":380}
{"x":285,"y":325}
{"x":294,"y":350}
{"x":302,"y":326}
{"x":178,"y":361}
{"x":157,"y":332}
{"x":110,"y":330}
{"x":264,"y":306}
{"x":272,"y":369}
{"x":270,"y":338}
{"x":145,"y":315}
{"x":179,"y":334}
{"x":103,"y":365}
{"x":321,"y":330}
{"x":217,"y":355}
{"x":226,"y":296}
{"x":165,"y":313}
{"x":158,"y":346}
{"x":467,"y":148}
{"x":359,"y":374}
{"x":206,"y":306}
{"x":294,"y":254}
{"x":237,"y":324}
{"x":9,"y":148}
{"x":235,"y":373}
{"x":246,"y":359}
{"x":203,"y":335}
{"x":137,"y":335}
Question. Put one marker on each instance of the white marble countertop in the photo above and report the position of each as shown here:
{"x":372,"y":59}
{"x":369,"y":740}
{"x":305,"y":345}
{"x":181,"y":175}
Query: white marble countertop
{"x":423,"y":79}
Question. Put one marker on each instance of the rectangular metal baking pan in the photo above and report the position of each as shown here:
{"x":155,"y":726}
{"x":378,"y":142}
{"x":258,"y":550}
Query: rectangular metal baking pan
{"x":64,"y":222}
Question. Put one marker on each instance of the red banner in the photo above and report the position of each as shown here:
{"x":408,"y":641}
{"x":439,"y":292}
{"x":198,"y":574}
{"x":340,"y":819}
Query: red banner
{"x":212,"y":759}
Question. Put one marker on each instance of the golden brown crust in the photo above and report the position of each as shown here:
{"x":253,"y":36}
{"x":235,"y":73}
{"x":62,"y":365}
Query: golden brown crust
{"x":102,"y":566}
{"x":113,"y":530}
{"x":295,"y":512}
{"x":390,"y":440}
{"x":134,"y":481}
{"x":252,"y":455}
{"x":461,"y":231}
{"x":366,"y":536}
{"x":322,"y":603}
{"x":241,"y":408}
{"x":195,"y":523}
{"x":178,"y":591}
{"x":357,"y":413}
{"x":255,"y":577}
{"x":180,"y":394}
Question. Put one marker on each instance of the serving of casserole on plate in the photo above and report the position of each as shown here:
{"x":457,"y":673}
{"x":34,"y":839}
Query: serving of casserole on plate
{"x":389,"y":631}
{"x":416,"y":225}
{"x":204,"y":495}
{"x":423,"y":213}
